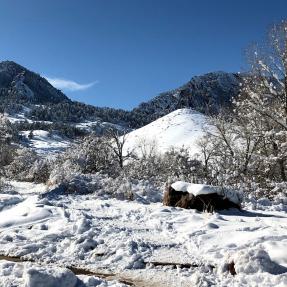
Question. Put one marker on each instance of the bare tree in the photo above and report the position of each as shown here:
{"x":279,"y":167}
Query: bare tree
{"x":208,"y":150}
{"x":147,"y":148}
{"x":249,"y":146}
{"x":117,"y":143}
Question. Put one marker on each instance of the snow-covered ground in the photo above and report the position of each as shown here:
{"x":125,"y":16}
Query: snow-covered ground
{"x":122,"y":237}
{"x":44,"y":142}
{"x":20,"y":117}
{"x":98,"y":126}
{"x":183,"y":127}
{"x":136,"y":242}
{"x":35,"y":275}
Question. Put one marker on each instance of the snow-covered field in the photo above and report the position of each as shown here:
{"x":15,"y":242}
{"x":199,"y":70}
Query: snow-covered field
{"x":123,"y":238}
{"x":114,"y":242}
{"x":43,"y":142}
{"x":183,"y":127}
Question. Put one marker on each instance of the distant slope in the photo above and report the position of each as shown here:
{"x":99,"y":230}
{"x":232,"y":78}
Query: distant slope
{"x":183,"y":127}
{"x":208,"y":94}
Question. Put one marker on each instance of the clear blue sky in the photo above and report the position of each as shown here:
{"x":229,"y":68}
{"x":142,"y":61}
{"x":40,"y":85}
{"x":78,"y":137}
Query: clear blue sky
{"x":123,"y":52}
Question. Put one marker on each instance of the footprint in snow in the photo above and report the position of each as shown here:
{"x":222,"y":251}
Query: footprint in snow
{"x":212,"y":226}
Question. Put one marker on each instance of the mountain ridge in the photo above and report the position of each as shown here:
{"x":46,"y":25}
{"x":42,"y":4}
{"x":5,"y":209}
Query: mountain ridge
{"x":207,"y":93}
{"x":19,"y":87}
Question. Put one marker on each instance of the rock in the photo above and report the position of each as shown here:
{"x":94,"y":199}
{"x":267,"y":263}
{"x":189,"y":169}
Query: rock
{"x":203,"y":202}
{"x":231,"y":268}
{"x":185,"y":201}
{"x":172,"y":197}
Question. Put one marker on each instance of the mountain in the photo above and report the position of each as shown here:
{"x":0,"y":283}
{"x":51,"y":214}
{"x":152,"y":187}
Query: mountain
{"x":23,"y":86}
{"x":208,"y":94}
{"x":183,"y":127}
{"x":24,"y":91}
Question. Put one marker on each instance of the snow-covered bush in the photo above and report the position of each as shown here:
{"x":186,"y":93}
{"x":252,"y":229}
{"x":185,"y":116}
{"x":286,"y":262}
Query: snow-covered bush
{"x":7,"y":153}
{"x":248,"y":148}
{"x":7,"y":135}
{"x":91,"y":155}
{"x":40,"y":170}
{"x":8,"y":132}
{"x":21,"y":165}
{"x":160,"y":168}
{"x":101,"y":184}
{"x":63,"y":169}
{"x":94,"y":155}
{"x":3,"y":184}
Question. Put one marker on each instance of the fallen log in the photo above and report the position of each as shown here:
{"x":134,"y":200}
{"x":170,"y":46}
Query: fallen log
{"x":177,"y":265}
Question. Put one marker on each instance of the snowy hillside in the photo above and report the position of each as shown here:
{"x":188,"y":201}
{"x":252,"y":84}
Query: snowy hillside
{"x":183,"y":127}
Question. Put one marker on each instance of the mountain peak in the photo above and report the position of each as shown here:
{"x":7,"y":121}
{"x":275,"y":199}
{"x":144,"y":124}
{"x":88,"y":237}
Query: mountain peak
{"x":207,"y":93}
{"x":20,"y":85}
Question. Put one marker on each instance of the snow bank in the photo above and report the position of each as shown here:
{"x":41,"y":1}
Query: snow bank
{"x":257,"y":260}
{"x":25,"y":212}
{"x":7,"y":200}
{"x":198,"y":189}
{"x":44,"y":277}
{"x":33,"y":275}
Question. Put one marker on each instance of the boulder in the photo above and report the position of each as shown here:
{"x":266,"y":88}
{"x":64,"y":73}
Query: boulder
{"x":202,"y":202}
{"x":172,"y":197}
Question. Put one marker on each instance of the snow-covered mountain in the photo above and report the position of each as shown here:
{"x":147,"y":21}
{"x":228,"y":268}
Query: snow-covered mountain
{"x":183,"y":127}
{"x":20,"y":88}
{"x":21,"y":85}
{"x":23,"y":91}
{"x":209,"y":94}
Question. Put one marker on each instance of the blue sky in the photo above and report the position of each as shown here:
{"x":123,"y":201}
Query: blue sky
{"x":119,"y":53}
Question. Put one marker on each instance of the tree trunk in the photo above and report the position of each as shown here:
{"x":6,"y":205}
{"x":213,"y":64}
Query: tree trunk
{"x":285,"y":96}
{"x":282,"y":169}
{"x":280,"y":161}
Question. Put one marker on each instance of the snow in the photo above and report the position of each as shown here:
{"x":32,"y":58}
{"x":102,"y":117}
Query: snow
{"x":198,"y":189}
{"x":27,"y":187}
{"x":183,"y":127}
{"x":9,"y":199}
{"x":180,"y":186}
{"x":20,"y":117}
{"x":119,"y":236}
{"x":35,"y":275}
{"x":41,"y":277}
{"x":43,"y":142}
{"x":98,"y":233}
{"x":98,"y":126}
{"x":26,"y":212}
